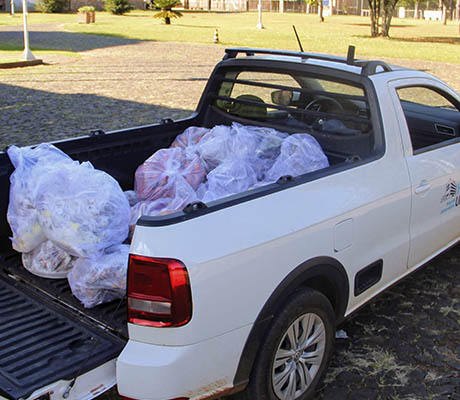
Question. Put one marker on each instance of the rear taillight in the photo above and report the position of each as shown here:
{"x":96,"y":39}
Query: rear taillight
{"x":158,"y":292}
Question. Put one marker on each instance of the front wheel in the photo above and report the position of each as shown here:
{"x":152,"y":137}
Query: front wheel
{"x":294,"y":355}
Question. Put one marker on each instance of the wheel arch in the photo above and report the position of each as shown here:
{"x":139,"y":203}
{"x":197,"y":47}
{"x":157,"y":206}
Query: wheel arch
{"x":325,"y":274}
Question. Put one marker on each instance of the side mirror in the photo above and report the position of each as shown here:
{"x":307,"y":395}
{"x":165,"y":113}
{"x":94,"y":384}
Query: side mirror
{"x":282,"y":97}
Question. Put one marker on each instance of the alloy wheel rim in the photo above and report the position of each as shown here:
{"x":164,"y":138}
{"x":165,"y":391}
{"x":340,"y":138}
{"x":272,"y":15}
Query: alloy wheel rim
{"x":298,"y":357}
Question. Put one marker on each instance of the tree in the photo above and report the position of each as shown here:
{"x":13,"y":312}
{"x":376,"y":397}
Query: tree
{"x":374,"y":8}
{"x":166,"y":11}
{"x":384,"y":9}
{"x":118,"y":7}
{"x":388,"y":9}
{"x":51,"y":6}
{"x":317,"y":3}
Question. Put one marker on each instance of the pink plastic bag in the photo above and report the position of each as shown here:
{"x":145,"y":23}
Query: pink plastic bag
{"x":158,"y":176}
{"x":190,"y":137}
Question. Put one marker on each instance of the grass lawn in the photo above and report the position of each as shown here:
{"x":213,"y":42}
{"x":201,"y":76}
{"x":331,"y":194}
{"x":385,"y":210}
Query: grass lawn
{"x":410,"y":39}
{"x":414,"y":39}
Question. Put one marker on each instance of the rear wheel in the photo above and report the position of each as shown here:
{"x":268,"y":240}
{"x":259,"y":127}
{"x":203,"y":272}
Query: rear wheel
{"x":296,"y":350}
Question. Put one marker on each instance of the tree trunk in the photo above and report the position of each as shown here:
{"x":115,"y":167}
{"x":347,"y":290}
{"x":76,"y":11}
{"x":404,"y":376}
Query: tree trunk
{"x":444,"y":13}
{"x":416,"y":16}
{"x":321,"y":7}
{"x":167,"y":21}
{"x":388,"y":9}
{"x":386,"y":23}
{"x":374,"y":12}
{"x":458,"y":10}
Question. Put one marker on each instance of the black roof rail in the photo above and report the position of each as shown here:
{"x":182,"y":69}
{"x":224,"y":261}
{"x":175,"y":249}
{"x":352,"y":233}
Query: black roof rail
{"x":367,"y":67}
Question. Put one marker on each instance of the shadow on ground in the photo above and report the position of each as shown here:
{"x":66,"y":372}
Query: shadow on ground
{"x":66,"y":41}
{"x":425,"y":39}
{"x":30,"y":116}
{"x":429,"y":39}
{"x":369,"y":25}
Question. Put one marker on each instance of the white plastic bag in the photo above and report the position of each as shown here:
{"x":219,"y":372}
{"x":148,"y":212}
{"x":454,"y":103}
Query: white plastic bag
{"x":131,"y":196}
{"x":216,"y":146}
{"x":48,"y":260}
{"x":258,"y":145}
{"x":30,"y":164}
{"x":166,"y":172}
{"x":81,"y":209}
{"x":300,"y":154}
{"x":100,"y":280}
{"x":230,"y":177}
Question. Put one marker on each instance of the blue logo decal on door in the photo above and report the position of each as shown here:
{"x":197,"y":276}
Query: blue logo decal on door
{"x":450,"y":199}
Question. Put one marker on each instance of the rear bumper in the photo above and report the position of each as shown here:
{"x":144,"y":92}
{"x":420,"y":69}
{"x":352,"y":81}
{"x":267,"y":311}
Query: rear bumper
{"x":198,"y":371}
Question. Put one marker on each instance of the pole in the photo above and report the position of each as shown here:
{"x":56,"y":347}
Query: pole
{"x":27,"y":55}
{"x":12,"y":8}
{"x":259,"y":9}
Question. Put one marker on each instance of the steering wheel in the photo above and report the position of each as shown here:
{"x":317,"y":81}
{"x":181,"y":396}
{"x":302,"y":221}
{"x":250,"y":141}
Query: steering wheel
{"x":321,"y":104}
{"x":324,"y":104}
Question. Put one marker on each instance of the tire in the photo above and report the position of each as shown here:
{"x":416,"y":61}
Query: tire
{"x":290,"y":362}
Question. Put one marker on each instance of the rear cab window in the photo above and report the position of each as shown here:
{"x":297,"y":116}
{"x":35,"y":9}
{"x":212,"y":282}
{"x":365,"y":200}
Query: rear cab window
{"x":335,"y":112}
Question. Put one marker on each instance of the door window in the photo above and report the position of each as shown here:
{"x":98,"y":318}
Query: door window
{"x":432,"y":117}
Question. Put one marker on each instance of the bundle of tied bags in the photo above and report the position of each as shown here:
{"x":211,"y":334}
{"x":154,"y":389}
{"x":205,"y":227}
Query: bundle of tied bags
{"x":70,"y":220}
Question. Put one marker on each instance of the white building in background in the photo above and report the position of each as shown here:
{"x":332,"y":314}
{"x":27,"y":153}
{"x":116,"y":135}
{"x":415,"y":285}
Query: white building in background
{"x":434,"y":15}
{"x":5,"y":5}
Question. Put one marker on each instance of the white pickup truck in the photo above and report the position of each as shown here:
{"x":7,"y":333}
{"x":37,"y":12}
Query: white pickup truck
{"x":243,"y":294}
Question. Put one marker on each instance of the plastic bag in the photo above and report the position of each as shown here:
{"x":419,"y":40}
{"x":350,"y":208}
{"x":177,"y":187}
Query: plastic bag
{"x":102,"y":279}
{"x":30,"y":164}
{"x":131,"y":196}
{"x":300,"y":154}
{"x":190,"y":137}
{"x":159,"y":175}
{"x":81,"y":209}
{"x":48,"y":260}
{"x":259,"y":145}
{"x":181,"y":195}
{"x":230,"y":177}
{"x":216,"y":146}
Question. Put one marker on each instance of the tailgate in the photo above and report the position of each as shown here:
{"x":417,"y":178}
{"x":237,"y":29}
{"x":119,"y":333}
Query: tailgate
{"x":42,"y":343}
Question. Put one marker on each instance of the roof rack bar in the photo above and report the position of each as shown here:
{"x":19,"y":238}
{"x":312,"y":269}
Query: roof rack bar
{"x":367,"y":67}
{"x":370,"y":67}
{"x":233,"y":52}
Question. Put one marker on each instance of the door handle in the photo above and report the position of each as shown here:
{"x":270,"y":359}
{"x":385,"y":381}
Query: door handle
{"x":422,"y":188}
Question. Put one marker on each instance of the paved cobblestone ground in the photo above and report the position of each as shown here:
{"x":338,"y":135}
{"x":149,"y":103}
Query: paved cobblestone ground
{"x":404,"y":345}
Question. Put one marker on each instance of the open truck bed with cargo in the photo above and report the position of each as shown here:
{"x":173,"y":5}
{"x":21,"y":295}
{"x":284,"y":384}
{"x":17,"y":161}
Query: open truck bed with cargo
{"x":244,"y":293}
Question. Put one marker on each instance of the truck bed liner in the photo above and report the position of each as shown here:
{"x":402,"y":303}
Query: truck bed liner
{"x":41,"y":343}
{"x":110,"y":315}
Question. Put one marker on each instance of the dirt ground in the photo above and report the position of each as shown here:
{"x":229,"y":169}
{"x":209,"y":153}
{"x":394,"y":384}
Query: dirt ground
{"x":404,"y":345}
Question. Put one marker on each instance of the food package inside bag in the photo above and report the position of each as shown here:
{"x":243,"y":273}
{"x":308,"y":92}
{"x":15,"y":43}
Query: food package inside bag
{"x":100,"y":280}
{"x":259,"y":145}
{"x":159,"y":175}
{"x":48,"y":260}
{"x":216,"y":146}
{"x":300,"y":153}
{"x":81,"y":209}
{"x":190,"y":137}
{"x":230,"y":177}
{"x":30,"y":164}
{"x":182,"y":194}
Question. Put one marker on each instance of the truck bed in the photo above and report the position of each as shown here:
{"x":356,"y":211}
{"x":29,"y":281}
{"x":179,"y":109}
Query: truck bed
{"x":41,"y":342}
{"x":111,"y":316}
